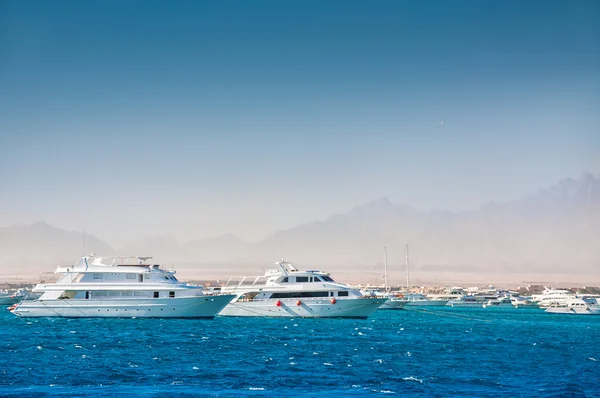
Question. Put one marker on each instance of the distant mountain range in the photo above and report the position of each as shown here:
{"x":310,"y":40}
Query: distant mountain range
{"x":555,"y":230}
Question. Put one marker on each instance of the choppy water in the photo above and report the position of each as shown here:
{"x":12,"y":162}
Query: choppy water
{"x":443,"y":352}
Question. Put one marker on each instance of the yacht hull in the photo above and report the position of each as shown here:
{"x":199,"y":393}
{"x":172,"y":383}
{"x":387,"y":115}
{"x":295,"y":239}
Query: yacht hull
{"x":184,"y":307}
{"x":304,"y":308}
{"x":9,"y":300}
{"x":574,"y":311}
{"x":465,"y":305}
{"x":426,"y":303}
{"x":398,"y":304}
{"x":393,"y":304}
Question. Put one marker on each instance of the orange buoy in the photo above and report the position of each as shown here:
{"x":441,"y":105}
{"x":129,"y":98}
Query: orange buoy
{"x":333,"y":300}
{"x":278,"y":303}
{"x":298,"y":302}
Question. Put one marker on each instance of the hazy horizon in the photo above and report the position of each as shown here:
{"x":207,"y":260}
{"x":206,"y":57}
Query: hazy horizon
{"x":137,"y":238}
{"x":193,"y":120}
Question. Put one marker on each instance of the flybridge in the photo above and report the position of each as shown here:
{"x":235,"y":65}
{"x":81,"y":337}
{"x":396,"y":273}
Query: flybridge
{"x":94,"y":262}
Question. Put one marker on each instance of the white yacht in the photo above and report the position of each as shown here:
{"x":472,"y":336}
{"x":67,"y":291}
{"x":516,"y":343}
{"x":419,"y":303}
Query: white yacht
{"x":552,"y":297}
{"x":120,"y":287}
{"x":579,"y":306}
{"x":466,"y":301}
{"x":523,"y":302}
{"x":500,"y":302}
{"x":287,"y":292}
{"x":452,"y":293}
{"x":402,"y":301}
{"x":395,"y":301}
{"x":12,"y":297}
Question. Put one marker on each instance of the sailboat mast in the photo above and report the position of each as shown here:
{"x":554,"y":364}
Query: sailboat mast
{"x":407,"y":285}
{"x":385,"y":281}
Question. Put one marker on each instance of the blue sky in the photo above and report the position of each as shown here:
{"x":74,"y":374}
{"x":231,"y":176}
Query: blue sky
{"x":193,"y":119}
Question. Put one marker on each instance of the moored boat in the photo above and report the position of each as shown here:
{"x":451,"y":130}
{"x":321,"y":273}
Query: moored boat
{"x":120,"y":287}
{"x":575,"y":306}
{"x":12,"y":297}
{"x":288,"y":292}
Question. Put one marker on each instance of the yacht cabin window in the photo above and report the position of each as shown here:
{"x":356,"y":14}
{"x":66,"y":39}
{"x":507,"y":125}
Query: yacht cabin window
{"x":302,"y":279}
{"x":298,"y":294}
{"x":97,"y":276}
{"x":342,"y":293}
{"x":155,"y":294}
{"x":171,"y":294}
{"x":130,"y":276}
{"x":284,"y":280}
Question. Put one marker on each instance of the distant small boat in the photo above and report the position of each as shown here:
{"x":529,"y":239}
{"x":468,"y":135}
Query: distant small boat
{"x":575,"y":306}
{"x":466,"y":301}
{"x":552,"y":297}
{"x":12,"y":297}
{"x":523,"y":302}
{"x":500,"y":302}
{"x":419,"y":300}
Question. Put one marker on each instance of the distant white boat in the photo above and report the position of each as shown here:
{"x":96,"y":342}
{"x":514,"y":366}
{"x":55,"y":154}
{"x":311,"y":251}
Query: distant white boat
{"x":500,"y":302}
{"x":288,"y":292}
{"x":553,"y":297}
{"x":576,"y":306}
{"x":420,"y":300}
{"x":466,"y":301}
{"x":452,"y":293}
{"x":523,"y":302}
{"x":9,"y":297}
{"x":400,"y":300}
{"x":119,"y":287}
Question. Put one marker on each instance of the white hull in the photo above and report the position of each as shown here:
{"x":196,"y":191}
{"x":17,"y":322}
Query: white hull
{"x":465,"y":305}
{"x":533,"y":305}
{"x":503,"y":305}
{"x":9,"y":300}
{"x":392,"y":304}
{"x":398,"y":304}
{"x":184,"y":307}
{"x":595,"y":310}
{"x":307,"y":308}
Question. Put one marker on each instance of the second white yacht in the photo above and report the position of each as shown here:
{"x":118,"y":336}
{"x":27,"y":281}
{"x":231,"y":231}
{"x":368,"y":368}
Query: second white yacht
{"x":119,"y":287}
{"x":287,"y":292}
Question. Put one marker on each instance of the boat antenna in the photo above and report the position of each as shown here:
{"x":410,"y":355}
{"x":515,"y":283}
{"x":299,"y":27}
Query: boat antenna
{"x":407,"y":286}
{"x":83,"y":241}
{"x":385,"y":280}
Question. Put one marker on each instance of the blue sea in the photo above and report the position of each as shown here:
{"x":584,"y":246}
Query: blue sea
{"x":439,"y":353}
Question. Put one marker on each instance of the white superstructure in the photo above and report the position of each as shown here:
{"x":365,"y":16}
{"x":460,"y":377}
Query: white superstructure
{"x":287,"y":292}
{"x":552,"y":297}
{"x":120,"y":287}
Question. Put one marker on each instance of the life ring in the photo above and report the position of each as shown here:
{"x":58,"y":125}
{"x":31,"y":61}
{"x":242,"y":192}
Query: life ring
{"x":333,"y":300}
